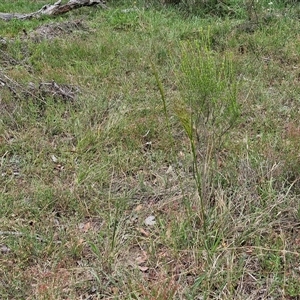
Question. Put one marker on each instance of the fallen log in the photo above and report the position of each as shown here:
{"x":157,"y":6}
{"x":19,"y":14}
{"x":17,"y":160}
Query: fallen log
{"x":53,"y":9}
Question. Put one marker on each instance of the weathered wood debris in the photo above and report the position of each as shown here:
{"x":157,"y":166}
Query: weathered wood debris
{"x":53,"y":9}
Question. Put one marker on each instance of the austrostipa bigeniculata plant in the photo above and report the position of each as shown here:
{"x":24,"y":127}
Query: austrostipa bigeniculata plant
{"x":208,"y":111}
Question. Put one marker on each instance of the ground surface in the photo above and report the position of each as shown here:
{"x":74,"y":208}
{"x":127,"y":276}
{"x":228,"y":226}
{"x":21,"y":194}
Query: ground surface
{"x":148,"y":152}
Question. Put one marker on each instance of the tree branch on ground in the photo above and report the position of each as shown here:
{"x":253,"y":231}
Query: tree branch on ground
{"x":53,"y":9}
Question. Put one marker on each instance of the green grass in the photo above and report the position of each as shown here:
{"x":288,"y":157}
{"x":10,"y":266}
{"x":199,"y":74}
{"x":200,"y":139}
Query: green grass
{"x":79,"y":177}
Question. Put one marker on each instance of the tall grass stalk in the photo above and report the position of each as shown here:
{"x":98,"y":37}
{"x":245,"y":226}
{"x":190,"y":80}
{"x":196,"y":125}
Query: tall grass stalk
{"x":163,"y":98}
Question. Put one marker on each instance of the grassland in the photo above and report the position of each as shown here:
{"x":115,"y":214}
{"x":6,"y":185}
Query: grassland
{"x":150,"y":152}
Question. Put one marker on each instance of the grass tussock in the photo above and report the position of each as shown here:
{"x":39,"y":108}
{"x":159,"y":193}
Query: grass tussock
{"x":149,"y":153}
